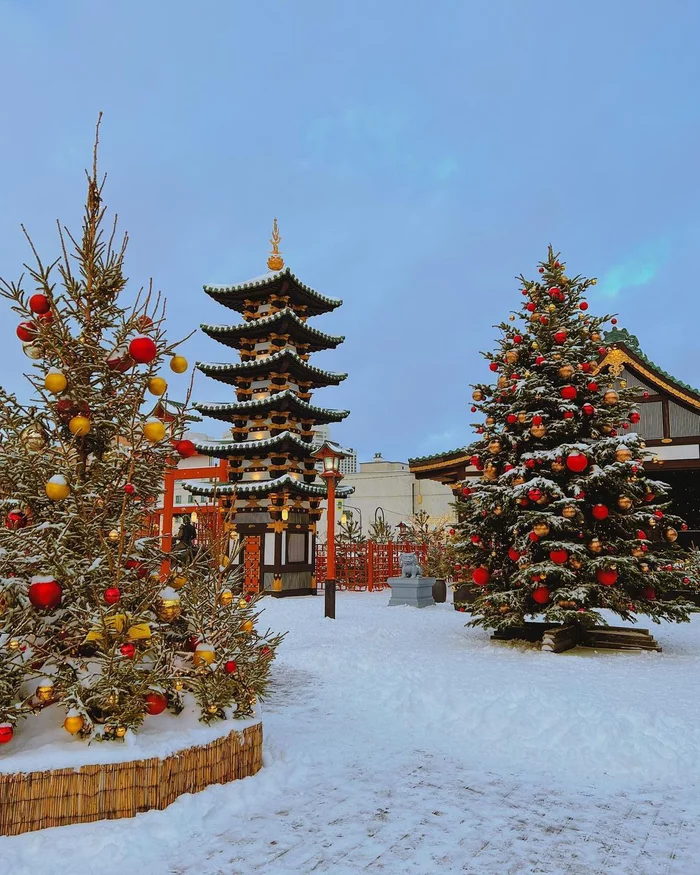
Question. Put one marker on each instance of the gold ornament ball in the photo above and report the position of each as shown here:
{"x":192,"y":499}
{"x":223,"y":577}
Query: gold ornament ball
{"x":606,"y":429}
{"x":643,"y":567}
{"x":73,"y":723}
{"x":637,"y":552}
{"x":558,"y":467}
{"x":33,"y":440}
{"x":557,"y":356}
{"x":624,"y":502}
{"x":45,"y":693}
{"x":544,"y":499}
{"x":490,"y":472}
{"x":511,"y":357}
{"x":495,"y":446}
{"x":623,"y":454}
{"x":595,"y":336}
{"x":242,"y":603}
{"x":522,"y":416}
{"x":79,"y":426}
{"x":13,"y":644}
{"x":566,"y":372}
{"x":569,"y":512}
{"x":498,"y":510}
{"x":538,"y":431}
{"x":113,"y":535}
{"x":671,"y":534}
{"x":652,"y":521}
{"x":57,"y":488}
{"x":247,"y":626}
{"x":55,"y":382}
{"x":575,"y":562}
{"x":178,"y":685}
{"x":178,"y":364}
{"x":502,"y":382}
{"x":178,"y":581}
{"x":154,"y":430}
{"x":120,"y":731}
{"x":203,"y":656}
{"x":478,"y":395}
{"x":226,"y":597}
{"x":595,"y":545}
{"x":517,"y":481}
{"x":169,"y":610}
{"x":212,"y":709}
{"x":611,"y":397}
{"x":157,"y":386}
{"x":490,"y":420}
{"x":504,"y":609}
{"x":541,"y":529}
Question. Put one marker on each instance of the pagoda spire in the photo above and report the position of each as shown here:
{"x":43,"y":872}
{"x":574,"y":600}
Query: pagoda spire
{"x":275,"y":261}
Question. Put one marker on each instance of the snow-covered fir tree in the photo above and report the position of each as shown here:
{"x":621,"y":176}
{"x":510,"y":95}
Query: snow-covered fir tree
{"x":564,"y":520}
{"x":93,"y":620}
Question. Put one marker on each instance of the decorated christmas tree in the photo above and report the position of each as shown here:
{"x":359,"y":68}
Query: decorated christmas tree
{"x":92,"y":618}
{"x":564,"y":520}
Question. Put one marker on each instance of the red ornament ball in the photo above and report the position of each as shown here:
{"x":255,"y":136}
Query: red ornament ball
{"x":583,"y":305}
{"x":46,"y":318}
{"x":684,"y":527}
{"x":119,"y":359}
{"x":129,"y":488}
{"x":531,"y":306}
{"x":559,"y":556}
{"x":185,"y":449}
{"x":554,"y":292}
{"x":517,"y":339}
{"x":26,"y":331}
{"x":128,"y":650}
{"x":230,"y":666}
{"x":39,"y":304}
{"x":614,"y":321}
{"x":493,"y":366}
{"x":535,"y":494}
{"x":156,"y":703}
{"x":658,"y":513}
{"x":541,"y":595}
{"x":142,"y":349}
{"x":544,"y":320}
{"x":599,"y":511}
{"x":540,"y":270}
{"x":533,"y":536}
{"x":602,"y":350}
{"x":475,"y":539}
{"x":537,"y":419}
{"x":568,"y":393}
{"x":511,"y":418}
{"x":539,"y":360}
{"x":560,"y":336}
{"x":645,"y":395}
{"x":649,"y":496}
{"x":6,"y":733}
{"x":634,"y":417}
{"x":481,"y":576}
{"x":585,"y":367}
{"x":138,"y":566}
{"x":45,"y":593}
{"x":16,"y":520}
{"x":606,"y":576}
{"x":576,"y":462}
{"x":513,"y":554}
{"x":592,"y":386}
{"x":649,"y":593}
{"x":112,"y":595}
{"x":466,"y":491}
{"x":588,"y":409}
{"x":568,"y":414}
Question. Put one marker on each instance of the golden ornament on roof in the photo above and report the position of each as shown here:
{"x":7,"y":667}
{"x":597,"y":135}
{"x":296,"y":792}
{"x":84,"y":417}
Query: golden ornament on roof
{"x":275,"y":261}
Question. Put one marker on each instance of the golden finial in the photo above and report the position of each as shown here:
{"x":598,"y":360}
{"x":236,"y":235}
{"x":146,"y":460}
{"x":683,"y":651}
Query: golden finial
{"x":275,"y":261}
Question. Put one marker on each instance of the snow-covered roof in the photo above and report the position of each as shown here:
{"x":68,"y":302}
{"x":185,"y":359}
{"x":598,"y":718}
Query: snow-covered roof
{"x":221,"y":370}
{"x":279,"y":399}
{"x":222,"y":332}
{"x":286,"y":481}
{"x":234,"y":295}
{"x":226,"y":447}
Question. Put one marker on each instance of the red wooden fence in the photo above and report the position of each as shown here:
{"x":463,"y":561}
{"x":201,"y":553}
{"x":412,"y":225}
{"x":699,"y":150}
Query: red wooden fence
{"x":366,"y":565}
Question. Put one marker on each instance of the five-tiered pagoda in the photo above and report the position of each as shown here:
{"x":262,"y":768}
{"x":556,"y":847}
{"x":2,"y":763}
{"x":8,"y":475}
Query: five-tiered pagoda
{"x":273,"y":493}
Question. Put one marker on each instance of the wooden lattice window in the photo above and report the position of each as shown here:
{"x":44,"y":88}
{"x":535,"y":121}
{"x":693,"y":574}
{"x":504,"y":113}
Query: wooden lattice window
{"x":251,"y":563}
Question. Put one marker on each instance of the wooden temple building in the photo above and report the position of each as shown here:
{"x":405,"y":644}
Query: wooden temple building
{"x":669,"y":424}
{"x":273,"y":494}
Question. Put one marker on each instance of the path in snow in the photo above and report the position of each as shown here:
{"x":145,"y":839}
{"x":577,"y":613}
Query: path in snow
{"x":397,"y":741}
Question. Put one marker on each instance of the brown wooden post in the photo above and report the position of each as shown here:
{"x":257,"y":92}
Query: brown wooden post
{"x":370,"y":565}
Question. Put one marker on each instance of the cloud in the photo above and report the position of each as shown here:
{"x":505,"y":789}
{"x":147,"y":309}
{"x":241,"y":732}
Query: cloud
{"x":638,"y":269}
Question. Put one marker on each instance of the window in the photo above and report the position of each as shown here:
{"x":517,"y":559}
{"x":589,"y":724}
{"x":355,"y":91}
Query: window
{"x":178,"y":499}
{"x":296,"y":547}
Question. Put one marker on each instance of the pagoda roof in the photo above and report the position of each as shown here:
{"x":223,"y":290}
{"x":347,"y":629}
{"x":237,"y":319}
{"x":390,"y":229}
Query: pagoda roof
{"x":626,"y":352}
{"x":260,"y":288}
{"x":283,"y":441}
{"x":285,"y":400}
{"x":285,"y":483}
{"x":285,"y":321}
{"x":286,"y":360}
{"x":449,"y":467}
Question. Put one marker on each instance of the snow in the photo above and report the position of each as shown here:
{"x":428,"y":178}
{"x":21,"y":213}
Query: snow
{"x":398,"y":741}
{"x":40,"y":742}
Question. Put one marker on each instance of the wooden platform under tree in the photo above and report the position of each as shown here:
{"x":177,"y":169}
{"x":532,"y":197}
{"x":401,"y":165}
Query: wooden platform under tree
{"x":556,"y":638}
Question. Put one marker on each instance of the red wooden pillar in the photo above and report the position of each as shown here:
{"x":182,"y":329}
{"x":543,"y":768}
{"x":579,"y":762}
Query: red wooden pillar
{"x":370,"y":565}
{"x":166,"y":534}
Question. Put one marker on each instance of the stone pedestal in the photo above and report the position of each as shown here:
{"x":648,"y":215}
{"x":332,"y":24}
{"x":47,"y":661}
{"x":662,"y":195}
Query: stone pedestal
{"x":414,"y":591}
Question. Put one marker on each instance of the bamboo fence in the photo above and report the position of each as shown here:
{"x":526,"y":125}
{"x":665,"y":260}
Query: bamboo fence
{"x":38,"y":800}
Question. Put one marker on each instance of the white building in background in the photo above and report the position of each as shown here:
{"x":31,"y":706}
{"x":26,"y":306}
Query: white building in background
{"x":389,"y":489}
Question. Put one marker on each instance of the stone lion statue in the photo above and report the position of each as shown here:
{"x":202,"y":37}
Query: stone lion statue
{"x":409,"y":565}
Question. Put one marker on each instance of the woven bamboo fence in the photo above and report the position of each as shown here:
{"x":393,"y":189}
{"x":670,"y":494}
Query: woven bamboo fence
{"x":37,"y":800}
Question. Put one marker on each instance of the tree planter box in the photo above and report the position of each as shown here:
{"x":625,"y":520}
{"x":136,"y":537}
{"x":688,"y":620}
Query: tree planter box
{"x":465,"y":593}
{"x":414,"y":591}
{"x":440,"y":591}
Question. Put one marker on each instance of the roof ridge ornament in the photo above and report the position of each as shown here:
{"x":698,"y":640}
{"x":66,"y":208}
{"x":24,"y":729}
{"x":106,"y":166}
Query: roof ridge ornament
{"x":275,"y":261}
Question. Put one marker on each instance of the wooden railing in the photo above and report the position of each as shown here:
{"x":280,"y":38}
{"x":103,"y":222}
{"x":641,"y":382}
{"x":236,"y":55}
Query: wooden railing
{"x":366,"y":565}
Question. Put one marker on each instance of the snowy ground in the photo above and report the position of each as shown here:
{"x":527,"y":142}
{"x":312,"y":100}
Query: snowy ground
{"x":397,"y":741}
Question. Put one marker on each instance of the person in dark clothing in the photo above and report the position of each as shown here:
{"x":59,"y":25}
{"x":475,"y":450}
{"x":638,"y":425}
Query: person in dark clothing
{"x":187,"y":535}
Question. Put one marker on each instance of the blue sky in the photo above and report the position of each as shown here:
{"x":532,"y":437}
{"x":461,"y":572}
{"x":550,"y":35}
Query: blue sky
{"x":418,"y":156}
